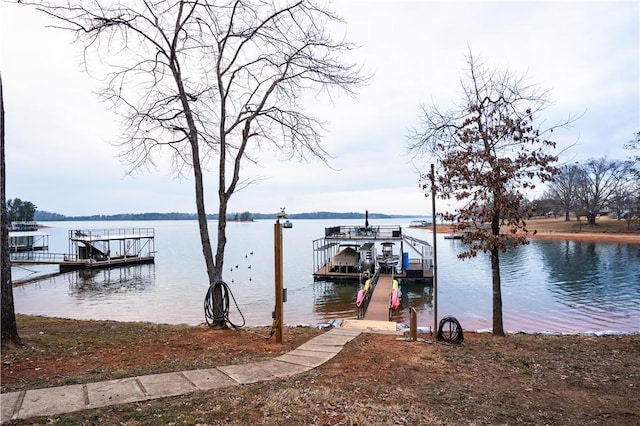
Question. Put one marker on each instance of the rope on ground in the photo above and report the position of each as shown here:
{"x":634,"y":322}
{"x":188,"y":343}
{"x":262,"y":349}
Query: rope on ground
{"x":216,"y":305}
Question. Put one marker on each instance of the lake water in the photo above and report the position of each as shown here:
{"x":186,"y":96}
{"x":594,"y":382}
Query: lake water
{"x":554,"y":286}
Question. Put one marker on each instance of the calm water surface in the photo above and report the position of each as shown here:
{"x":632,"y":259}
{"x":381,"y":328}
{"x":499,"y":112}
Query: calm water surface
{"x":556,"y":286}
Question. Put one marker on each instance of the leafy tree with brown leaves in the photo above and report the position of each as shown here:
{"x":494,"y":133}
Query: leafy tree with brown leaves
{"x":488,"y":152}
{"x":204,"y":80}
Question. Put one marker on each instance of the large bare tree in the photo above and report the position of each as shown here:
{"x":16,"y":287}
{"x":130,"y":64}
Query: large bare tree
{"x":9,"y":326}
{"x":634,"y":156}
{"x":563,"y":190}
{"x":599,"y":181}
{"x":211,"y":80}
{"x":489,"y":153}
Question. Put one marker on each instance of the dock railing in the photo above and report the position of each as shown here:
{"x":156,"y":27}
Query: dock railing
{"x":362,"y":309}
{"x":363,"y":232}
{"x":107,"y":244}
{"x":41,"y":257}
{"x":110,"y":234}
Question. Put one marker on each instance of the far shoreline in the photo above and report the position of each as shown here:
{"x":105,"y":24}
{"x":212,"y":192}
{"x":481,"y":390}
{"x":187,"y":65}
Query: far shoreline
{"x":588,"y":236}
{"x":601,"y":237}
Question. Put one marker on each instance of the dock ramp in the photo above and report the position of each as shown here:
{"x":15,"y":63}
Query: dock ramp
{"x":378,"y":309}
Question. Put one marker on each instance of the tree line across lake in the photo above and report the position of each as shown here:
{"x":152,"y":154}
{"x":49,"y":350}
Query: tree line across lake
{"x":44,"y":216}
{"x":599,"y":186}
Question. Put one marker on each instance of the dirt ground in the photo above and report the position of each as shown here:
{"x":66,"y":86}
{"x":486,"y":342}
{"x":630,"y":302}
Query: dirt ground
{"x":376,"y":379}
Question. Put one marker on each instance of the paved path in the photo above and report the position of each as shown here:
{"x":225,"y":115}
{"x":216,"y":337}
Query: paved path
{"x":66,"y":399}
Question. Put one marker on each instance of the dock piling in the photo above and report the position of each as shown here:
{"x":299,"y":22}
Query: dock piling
{"x":413,"y":325}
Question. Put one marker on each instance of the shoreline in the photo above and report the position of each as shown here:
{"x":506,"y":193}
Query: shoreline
{"x":603,"y":237}
{"x":588,"y":236}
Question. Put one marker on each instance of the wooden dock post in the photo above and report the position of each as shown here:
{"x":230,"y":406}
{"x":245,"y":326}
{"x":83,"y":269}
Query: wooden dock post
{"x":278,"y":315}
{"x":413,"y":325}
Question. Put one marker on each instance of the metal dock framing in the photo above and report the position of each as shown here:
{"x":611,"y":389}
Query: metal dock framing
{"x":345,"y":252}
{"x":378,"y":309}
{"x":103,"y":248}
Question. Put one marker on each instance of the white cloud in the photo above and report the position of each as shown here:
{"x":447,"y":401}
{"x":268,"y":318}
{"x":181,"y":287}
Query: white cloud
{"x":586,"y":53}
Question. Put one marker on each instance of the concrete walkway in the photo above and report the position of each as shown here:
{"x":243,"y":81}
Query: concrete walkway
{"x":66,"y":399}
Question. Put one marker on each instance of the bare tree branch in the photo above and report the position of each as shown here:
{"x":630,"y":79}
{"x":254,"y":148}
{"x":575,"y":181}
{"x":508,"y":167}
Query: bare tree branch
{"x":205,"y":80}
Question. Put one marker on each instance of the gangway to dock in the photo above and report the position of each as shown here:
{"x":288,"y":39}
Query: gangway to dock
{"x":378,"y":309}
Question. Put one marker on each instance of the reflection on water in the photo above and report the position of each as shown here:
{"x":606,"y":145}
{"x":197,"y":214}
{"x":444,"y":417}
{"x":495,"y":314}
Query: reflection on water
{"x":88,"y":283}
{"x":335,"y":300}
{"x":602,"y":281}
{"x":582,"y":272}
{"x":562,"y":286}
{"x":338,"y":300}
{"x":415,"y":296}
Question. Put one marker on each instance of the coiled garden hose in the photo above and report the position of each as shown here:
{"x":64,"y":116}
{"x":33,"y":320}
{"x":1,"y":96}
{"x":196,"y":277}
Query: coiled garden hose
{"x":216,"y":309}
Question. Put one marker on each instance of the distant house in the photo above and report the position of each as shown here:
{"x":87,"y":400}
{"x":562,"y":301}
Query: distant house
{"x":25,"y":237}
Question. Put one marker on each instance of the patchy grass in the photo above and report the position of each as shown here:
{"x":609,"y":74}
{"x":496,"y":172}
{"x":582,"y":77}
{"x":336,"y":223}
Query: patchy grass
{"x":376,"y":379}
{"x":604,"y":225}
{"x":61,"y":351}
{"x":606,"y":229}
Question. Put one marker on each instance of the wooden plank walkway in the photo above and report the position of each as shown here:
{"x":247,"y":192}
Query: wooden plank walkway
{"x":378,"y":309}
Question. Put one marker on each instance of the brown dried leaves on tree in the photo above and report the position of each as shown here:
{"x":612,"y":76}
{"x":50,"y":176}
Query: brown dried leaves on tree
{"x":489,"y":153}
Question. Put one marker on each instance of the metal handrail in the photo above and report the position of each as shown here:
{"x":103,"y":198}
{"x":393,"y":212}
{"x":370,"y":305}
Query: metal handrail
{"x":107,"y":234}
{"x":362,"y":309}
{"x":41,"y":257}
{"x":359,"y":232}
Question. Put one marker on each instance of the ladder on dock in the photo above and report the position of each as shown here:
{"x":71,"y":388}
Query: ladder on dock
{"x":378,"y":309}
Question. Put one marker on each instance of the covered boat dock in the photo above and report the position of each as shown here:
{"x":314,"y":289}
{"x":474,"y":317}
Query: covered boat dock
{"x":345,"y":252}
{"x":97,"y":249}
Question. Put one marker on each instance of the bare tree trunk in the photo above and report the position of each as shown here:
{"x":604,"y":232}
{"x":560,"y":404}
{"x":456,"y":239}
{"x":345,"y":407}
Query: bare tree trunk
{"x":9,"y":325}
{"x":219,"y":315}
{"x":214,"y":268}
{"x":222,"y":238}
{"x":498,"y":328}
{"x":197,"y":168}
{"x":202,"y":215}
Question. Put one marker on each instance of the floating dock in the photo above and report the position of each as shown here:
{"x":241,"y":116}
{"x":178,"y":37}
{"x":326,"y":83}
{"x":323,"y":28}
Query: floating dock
{"x":93,"y":248}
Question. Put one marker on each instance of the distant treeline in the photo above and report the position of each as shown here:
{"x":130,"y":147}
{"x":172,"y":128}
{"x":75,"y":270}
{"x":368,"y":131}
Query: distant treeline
{"x":44,"y":216}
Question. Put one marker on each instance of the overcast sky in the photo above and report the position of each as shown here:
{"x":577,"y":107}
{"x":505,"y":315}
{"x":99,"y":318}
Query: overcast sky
{"x":586,"y":53}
